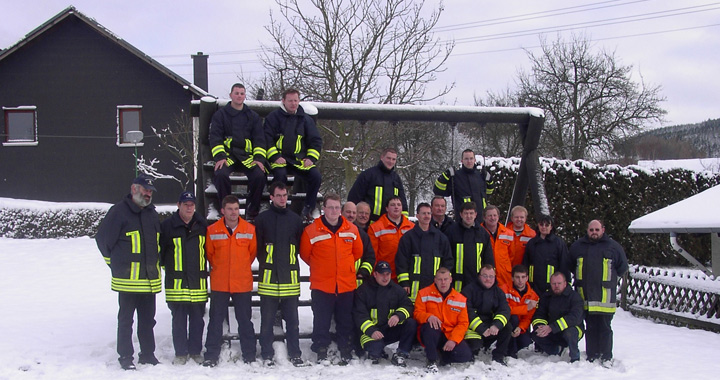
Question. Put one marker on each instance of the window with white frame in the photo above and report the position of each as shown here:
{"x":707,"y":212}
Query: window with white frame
{"x":20,"y":125}
{"x":129,"y":118}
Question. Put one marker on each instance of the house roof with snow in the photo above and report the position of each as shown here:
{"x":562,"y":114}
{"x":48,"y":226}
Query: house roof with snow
{"x":697,"y":214}
{"x":72,"y":12}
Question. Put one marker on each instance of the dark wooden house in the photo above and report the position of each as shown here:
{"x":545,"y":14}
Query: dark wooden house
{"x":70,"y":91}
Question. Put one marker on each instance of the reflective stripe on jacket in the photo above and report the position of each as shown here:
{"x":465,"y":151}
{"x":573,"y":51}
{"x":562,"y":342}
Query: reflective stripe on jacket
{"x":183,"y":257}
{"x":452,"y":311}
{"x":385,"y":237}
{"x":231,"y":256}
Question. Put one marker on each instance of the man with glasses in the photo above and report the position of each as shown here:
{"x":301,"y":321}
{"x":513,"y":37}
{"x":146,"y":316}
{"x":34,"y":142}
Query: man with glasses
{"x":598,"y":263}
{"x":546,"y":254}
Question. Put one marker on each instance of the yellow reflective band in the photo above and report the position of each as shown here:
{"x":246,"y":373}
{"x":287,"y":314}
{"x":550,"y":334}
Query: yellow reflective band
{"x":478,"y":249}
{"x":267,"y":276}
{"x":436,"y":265}
{"x":201,"y":247}
{"x":579,"y":274}
{"x":373,"y":315}
{"x":269,"y":250}
{"x":366,"y":325}
{"x":313,"y":153}
{"x":230,"y":161}
{"x":562,"y":324}
{"x":107,"y":260}
{"x":470,"y":334}
{"x":417,"y":264}
{"x":217,"y":149}
{"x":178,"y":254}
{"x":136,"y":285}
{"x":606,"y":269}
{"x":550,"y":271}
{"x":294,"y":277}
{"x":475,"y":323}
{"x":402,"y":311}
{"x":177,"y":283}
{"x":135,"y":271}
{"x":403,"y":277}
{"x":293,"y":254}
{"x":298,"y":144}
{"x":134,"y":241}
{"x":501,"y":318}
{"x":459,"y":259}
{"x":396,"y":191}
{"x":279,"y":143}
{"x":414,"y":290}
{"x":458,"y":285}
{"x":539,"y":321}
{"x":440,"y":185}
{"x":272,"y":151}
{"x":248,"y":145}
{"x":531,"y":273}
{"x":377,"y":206}
{"x":605,"y":295}
{"x":228,"y":141}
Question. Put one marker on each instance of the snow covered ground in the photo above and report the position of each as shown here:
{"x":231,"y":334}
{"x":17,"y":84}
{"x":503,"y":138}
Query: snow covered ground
{"x":58,"y":321}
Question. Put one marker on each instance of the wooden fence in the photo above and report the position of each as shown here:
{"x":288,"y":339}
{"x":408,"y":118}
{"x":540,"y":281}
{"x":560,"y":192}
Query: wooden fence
{"x":676,"y":297}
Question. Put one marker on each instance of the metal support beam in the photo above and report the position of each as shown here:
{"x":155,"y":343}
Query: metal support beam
{"x":676,"y":246}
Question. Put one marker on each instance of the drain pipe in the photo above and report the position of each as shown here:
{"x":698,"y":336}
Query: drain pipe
{"x":686,"y":255}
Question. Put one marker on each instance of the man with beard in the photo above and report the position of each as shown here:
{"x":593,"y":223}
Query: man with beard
{"x":558,"y":319}
{"x":182,"y":245}
{"x":598,"y":263}
{"x":128,"y":240}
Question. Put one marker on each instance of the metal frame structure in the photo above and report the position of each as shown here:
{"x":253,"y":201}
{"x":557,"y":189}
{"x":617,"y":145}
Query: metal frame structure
{"x":528,"y":119}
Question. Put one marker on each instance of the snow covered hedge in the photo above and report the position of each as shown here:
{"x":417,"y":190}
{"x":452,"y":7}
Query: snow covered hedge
{"x":579,"y":191}
{"x":21,"y":219}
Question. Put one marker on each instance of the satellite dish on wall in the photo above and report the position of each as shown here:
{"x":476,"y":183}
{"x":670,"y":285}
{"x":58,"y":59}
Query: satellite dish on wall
{"x":134,"y":137}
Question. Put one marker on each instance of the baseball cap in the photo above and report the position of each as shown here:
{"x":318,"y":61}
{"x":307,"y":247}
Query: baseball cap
{"x":383,"y":267}
{"x":145,"y":181}
{"x":187,"y":197}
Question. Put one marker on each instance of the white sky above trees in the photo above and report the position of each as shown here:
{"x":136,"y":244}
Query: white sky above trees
{"x":670,"y":43}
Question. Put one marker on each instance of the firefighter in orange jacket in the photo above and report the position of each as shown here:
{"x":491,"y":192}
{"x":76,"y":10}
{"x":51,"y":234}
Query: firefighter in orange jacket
{"x":502,"y":240}
{"x":330,"y":246}
{"x":523,"y":301}
{"x":441,"y":312}
{"x":231,"y":249}
{"x":522,"y":234}
{"x":385,"y":233}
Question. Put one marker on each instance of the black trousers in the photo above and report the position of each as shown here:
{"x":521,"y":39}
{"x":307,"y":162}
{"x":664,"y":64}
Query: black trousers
{"x":144,"y":305}
{"x":312,"y":179}
{"x":552,"y":343}
{"x":187,"y":327}
{"x":598,"y":336}
{"x":288,"y":307}
{"x":256,"y":183}
{"x":325,"y":306}
{"x":434,"y":340}
{"x":403,"y":333}
{"x":519,"y":342}
{"x":242,"y":304}
{"x":502,"y":340}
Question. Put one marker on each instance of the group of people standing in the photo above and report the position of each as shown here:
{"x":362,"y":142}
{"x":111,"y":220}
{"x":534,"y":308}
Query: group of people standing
{"x":457,"y":287}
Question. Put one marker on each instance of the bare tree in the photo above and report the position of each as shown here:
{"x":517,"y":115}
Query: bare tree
{"x":502,"y":140}
{"x":590,"y":99}
{"x":356,"y":51}
{"x":359,"y":51}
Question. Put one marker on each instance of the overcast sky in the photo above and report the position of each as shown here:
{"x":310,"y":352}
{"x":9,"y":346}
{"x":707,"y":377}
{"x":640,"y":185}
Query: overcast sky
{"x":670,"y":43}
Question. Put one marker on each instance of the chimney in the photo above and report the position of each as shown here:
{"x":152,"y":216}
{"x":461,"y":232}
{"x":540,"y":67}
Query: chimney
{"x":200,"y":70}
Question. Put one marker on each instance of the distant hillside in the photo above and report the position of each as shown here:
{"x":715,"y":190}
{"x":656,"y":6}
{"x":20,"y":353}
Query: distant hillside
{"x":698,"y":140}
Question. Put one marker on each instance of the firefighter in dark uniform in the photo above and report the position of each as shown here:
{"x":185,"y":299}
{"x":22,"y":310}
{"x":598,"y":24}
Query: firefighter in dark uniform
{"x":128,"y":239}
{"x":546,"y":254}
{"x":377,"y":184}
{"x":558,"y":321}
{"x":383,"y":313}
{"x":468,"y":184}
{"x":489,"y":314}
{"x":278,"y":237}
{"x":293,"y":146}
{"x":182,"y":251}
{"x":598,"y":263}
{"x":421,"y":252}
{"x":439,"y":220}
{"x":237,"y":143}
{"x":470,"y":245}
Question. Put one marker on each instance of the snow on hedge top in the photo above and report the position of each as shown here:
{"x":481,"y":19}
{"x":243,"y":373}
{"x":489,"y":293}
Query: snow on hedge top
{"x":697,"y":214}
{"x":23,"y":204}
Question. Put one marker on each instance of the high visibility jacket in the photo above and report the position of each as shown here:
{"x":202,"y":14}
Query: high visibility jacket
{"x":560,"y":311}
{"x":486,"y":307}
{"x":293,"y":137}
{"x":385,"y":237}
{"x":231,"y":256}
{"x":375,"y":186}
{"x":517,"y":249}
{"x":331,"y":256}
{"x":465,"y":185}
{"x":501,"y":243}
{"x":518,"y":304}
{"x":543,"y":257}
{"x":183,"y":257}
{"x":128,"y":238}
{"x":237,"y":136}
{"x":471,"y":249}
{"x":278,"y":240}
{"x":420,"y":254}
{"x":597,"y":267}
{"x":374,"y":305}
{"x":452,"y":311}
